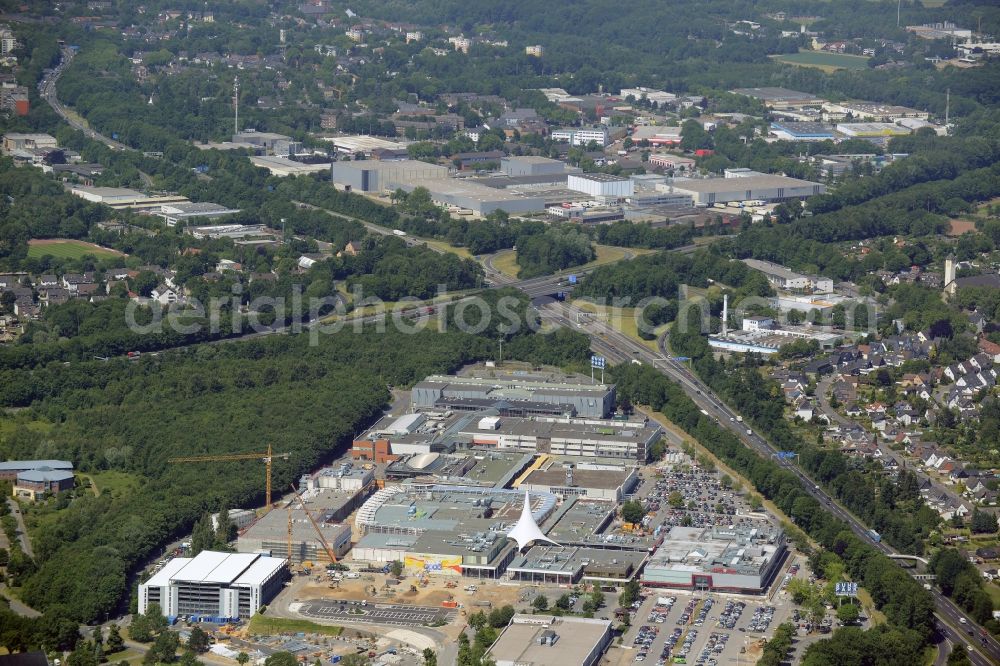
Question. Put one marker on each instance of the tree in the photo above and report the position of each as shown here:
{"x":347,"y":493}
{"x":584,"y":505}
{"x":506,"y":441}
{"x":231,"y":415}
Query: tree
{"x":242,"y":658}
{"x":632,"y":511}
{"x":430,"y":657}
{"x":630,"y":594}
{"x":675,"y":500}
{"x":115,"y":642}
{"x":281,"y":658}
{"x":540,"y":603}
{"x":141,"y":629}
{"x":82,"y":655}
{"x":165,"y":646}
{"x":396,"y":568}
{"x":198,"y":641}
{"x":959,"y":656}
{"x":202,"y":535}
{"x":983,"y":522}
{"x":189,"y":658}
{"x":225,"y":530}
{"x":564,"y":602}
{"x":500,"y":617}
{"x":848,"y":614}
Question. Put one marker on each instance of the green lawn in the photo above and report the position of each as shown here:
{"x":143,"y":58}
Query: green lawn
{"x":67,"y":249}
{"x":823,"y":60}
{"x":269,"y":626}
{"x":505,"y":261}
{"x":115,"y":483}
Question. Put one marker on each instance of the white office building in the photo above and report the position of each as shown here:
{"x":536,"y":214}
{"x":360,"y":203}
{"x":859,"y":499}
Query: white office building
{"x":215,"y":585}
{"x":581,"y":136}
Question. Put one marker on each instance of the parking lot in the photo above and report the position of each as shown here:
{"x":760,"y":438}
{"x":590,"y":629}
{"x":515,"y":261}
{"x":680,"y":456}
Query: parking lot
{"x":369,"y":613}
{"x":685,"y":494}
{"x":701,"y":628}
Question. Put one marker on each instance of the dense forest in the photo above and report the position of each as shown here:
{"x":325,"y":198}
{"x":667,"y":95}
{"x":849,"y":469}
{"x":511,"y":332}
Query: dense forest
{"x":307,"y":400}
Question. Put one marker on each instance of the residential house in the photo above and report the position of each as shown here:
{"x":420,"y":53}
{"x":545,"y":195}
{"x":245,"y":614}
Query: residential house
{"x":164,"y":295}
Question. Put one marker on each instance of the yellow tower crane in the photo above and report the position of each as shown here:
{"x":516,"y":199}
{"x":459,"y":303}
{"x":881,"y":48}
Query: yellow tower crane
{"x":322,"y":539}
{"x":266,"y":457}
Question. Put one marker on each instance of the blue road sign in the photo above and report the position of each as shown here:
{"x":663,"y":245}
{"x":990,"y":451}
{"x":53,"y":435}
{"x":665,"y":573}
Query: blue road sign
{"x":597,"y":362}
{"x":846,"y":589}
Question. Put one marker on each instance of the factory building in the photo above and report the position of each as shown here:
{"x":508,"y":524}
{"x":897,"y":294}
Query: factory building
{"x":569,"y":397}
{"x":780,"y":98}
{"x":532,"y":166}
{"x":365,"y":145}
{"x":475,"y":197}
{"x":709,"y":191}
{"x":672,"y":162}
{"x":802,"y":131}
{"x":282,"y":166}
{"x":740,"y":560}
{"x":120,"y":197}
{"x":263,"y":141}
{"x":382,"y":176}
{"x":601,"y":185}
{"x":176,"y":213}
{"x":222,"y":586}
{"x":872,"y":130}
{"x":787,"y":279}
{"x":531,"y":639}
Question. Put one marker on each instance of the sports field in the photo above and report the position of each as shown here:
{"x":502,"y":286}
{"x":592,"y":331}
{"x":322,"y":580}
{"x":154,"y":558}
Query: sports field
{"x":821,"y":60}
{"x":65,"y":248}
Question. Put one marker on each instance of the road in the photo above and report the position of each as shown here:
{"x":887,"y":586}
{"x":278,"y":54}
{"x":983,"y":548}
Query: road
{"x":47,"y":91}
{"x":619,"y":348}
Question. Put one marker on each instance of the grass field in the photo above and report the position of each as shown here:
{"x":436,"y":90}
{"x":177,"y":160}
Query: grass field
{"x":115,"y":483}
{"x":623,"y":321}
{"x":828,"y":62}
{"x":67,"y":249}
{"x":279,"y":625}
{"x":506,"y":260}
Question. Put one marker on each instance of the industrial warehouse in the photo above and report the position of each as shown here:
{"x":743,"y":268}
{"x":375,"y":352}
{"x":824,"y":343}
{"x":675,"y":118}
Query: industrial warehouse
{"x":751,"y":186}
{"x":218,"y":585}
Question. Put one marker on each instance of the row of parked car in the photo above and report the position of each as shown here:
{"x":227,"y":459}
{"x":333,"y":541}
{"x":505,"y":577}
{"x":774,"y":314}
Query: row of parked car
{"x":731,"y":614}
{"x":761,"y":619}
{"x":688,"y":610}
{"x":714,"y":647}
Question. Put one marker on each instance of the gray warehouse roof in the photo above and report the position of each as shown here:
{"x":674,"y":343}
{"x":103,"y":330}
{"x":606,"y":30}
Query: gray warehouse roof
{"x":708,"y":185}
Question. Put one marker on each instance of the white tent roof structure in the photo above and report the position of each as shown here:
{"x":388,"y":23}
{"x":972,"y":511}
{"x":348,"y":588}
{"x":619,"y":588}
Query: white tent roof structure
{"x":526,"y":531}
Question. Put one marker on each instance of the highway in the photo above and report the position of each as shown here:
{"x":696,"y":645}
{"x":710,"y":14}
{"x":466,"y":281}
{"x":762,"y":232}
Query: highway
{"x":953,"y":623}
{"x":47,"y":91}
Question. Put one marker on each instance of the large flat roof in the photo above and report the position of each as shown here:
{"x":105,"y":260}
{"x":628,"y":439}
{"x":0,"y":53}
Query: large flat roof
{"x":212,"y":567}
{"x":16,"y":465}
{"x":555,"y":475}
{"x":707,"y":185}
{"x":575,"y":639}
{"x":773,"y":94}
